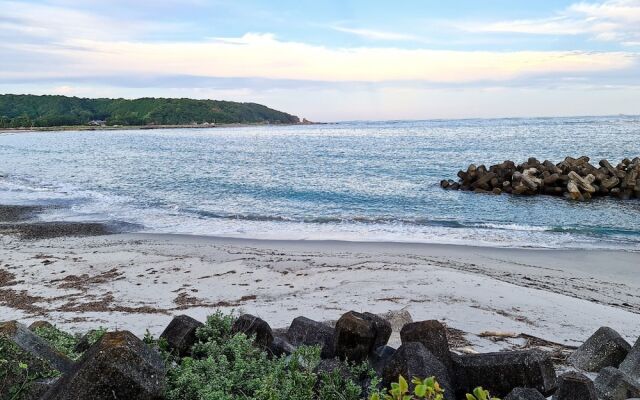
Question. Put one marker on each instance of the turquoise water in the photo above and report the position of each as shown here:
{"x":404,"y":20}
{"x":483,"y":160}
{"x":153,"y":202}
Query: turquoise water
{"x":350,"y":181}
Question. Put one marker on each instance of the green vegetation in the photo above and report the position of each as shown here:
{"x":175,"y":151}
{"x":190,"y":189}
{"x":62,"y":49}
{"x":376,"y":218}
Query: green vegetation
{"x":428,"y":389}
{"x":18,"y":370}
{"x":42,"y":111}
{"x":65,"y":342}
{"x":228,"y":367}
{"x":480,"y":394}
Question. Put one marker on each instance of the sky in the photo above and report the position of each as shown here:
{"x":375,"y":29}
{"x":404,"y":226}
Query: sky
{"x":334,"y":60}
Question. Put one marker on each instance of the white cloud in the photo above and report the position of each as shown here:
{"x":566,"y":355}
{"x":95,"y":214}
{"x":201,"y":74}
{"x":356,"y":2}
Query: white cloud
{"x":375,"y":34}
{"x":264,"y":56}
{"x":54,"y":23}
{"x":612,"y":20}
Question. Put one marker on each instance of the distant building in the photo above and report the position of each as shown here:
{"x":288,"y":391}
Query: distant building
{"x":97,"y":122}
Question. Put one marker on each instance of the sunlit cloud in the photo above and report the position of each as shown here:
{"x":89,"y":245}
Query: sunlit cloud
{"x":613,"y":20}
{"x":263,"y":56}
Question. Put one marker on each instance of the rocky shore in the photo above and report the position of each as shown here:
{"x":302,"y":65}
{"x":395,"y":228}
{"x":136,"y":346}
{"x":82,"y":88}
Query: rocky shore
{"x":574,"y":178}
{"x":119,"y":365}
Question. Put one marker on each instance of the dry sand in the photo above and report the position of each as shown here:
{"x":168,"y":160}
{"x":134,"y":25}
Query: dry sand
{"x":138,"y":281}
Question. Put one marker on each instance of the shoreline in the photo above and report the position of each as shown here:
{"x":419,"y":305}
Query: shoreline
{"x":141,"y":280}
{"x":83,"y":128}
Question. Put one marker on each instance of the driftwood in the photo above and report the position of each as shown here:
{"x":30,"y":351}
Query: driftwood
{"x":574,"y":178}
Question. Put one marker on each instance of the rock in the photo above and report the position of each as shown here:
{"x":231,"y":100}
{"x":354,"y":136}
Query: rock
{"x":397,"y":319}
{"x":414,"y":360}
{"x":613,"y":384}
{"x":40,"y":324}
{"x":38,"y":389}
{"x":524,"y":394}
{"x":433,"y":335}
{"x":180,"y":334}
{"x":35,"y":346}
{"x":12,"y":376}
{"x":305,"y":331}
{"x":253,"y":326}
{"x":573,"y":191}
{"x":379,"y":357}
{"x":118,"y":366}
{"x":575,"y":386}
{"x":501,"y":372}
{"x":355,"y":336}
{"x":605,"y":348}
{"x":631,"y":364}
{"x":382,"y":328}
{"x":281,"y":346}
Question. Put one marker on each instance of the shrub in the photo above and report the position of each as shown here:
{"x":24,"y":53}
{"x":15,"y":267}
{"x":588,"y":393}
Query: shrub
{"x":62,"y":341}
{"x":427,"y":388}
{"x":291,"y":377}
{"x":347,"y":383}
{"x":480,"y":394}
{"x":227,"y":369}
{"x":217,"y":328}
{"x":65,"y":342}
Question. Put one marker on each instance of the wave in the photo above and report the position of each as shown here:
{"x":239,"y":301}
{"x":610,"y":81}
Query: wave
{"x":423,"y":222}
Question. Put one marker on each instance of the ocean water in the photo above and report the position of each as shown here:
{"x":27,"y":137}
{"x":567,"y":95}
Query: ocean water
{"x":346,"y":181}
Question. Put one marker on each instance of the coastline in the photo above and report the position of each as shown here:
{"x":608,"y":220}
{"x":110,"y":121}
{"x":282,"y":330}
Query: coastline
{"x":141,"y":280}
{"x":84,"y":128}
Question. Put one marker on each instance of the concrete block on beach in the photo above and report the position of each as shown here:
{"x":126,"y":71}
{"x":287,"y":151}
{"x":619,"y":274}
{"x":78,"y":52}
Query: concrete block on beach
{"x":575,"y":386}
{"x":118,"y":366}
{"x":253,"y":326}
{"x":605,"y":348}
{"x":631,"y":364}
{"x":613,"y":384}
{"x":280,"y":346}
{"x":305,"y":331}
{"x":357,"y":335}
{"x":502,"y":372}
{"x":433,"y":335}
{"x":180,"y":334}
{"x":524,"y":394}
{"x":35,"y":346}
{"x":414,"y":360}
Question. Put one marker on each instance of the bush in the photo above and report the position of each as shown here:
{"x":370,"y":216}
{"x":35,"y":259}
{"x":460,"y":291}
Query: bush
{"x":228,"y":367}
{"x":346,"y":383}
{"x":428,"y":389}
{"x":62,"y":341}
{"x":65,"y":342}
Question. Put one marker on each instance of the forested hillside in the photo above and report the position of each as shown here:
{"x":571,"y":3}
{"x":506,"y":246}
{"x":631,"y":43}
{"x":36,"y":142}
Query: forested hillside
{"x":40,"y":111}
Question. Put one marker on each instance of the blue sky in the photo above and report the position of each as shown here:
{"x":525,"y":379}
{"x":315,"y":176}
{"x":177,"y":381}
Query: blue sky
{"x":334,"y":60}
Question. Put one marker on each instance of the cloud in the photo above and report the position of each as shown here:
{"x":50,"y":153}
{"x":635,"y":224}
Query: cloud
{"x":375,"y":34}
{"x":610,"y":21}
{"x":264,"y":56}
{"x":28,"y":22}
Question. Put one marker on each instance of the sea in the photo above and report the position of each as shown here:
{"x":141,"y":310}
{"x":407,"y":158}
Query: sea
{"x":354,"y":181}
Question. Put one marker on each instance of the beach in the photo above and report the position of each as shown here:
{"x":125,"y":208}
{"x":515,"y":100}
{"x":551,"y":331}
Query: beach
{"x":139,"y":281}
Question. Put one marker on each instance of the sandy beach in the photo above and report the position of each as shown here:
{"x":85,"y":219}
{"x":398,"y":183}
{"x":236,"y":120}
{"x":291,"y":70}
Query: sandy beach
{"x":138,"y":281}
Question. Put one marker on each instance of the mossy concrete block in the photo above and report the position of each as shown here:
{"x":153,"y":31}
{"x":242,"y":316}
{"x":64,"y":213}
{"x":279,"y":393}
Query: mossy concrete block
{"x":34,"y":345}
{"x":180,"y":334}
{"x":118,"y":366}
